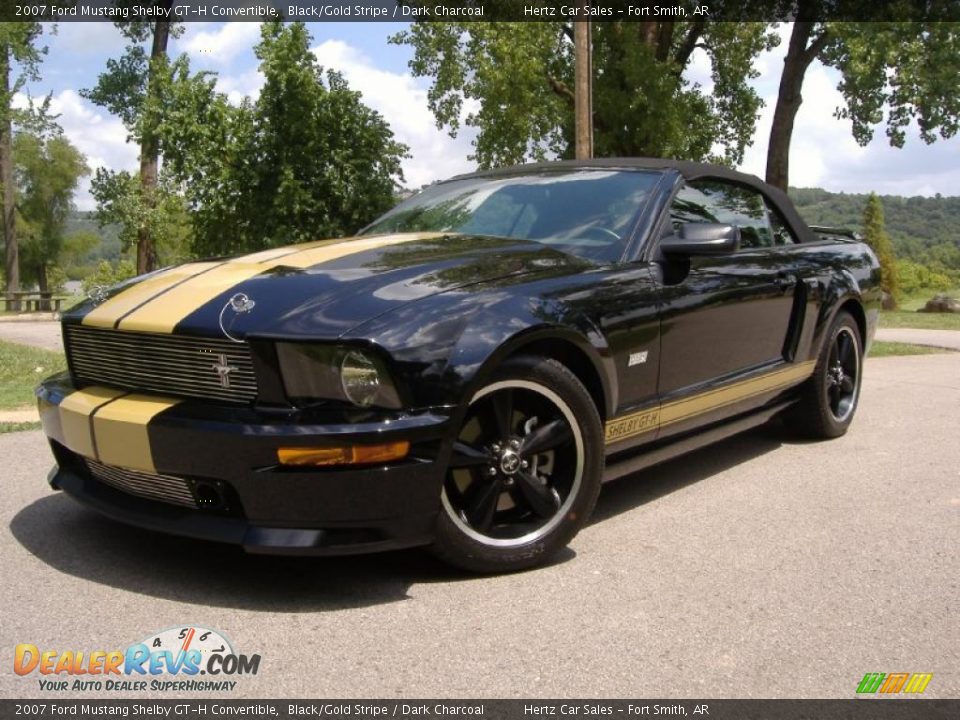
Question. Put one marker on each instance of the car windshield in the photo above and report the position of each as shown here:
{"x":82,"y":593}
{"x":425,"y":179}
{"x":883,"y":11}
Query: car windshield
{"x":588,"y":213}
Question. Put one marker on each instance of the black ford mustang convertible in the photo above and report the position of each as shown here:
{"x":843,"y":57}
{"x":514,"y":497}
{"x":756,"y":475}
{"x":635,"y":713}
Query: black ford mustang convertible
{"x":465,"y":372}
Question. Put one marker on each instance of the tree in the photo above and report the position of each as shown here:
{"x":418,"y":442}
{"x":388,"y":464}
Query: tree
{"x":47,"y":172}
{"x":158,"y":213}
{"x":108,"y":274}
{"x":132,"y":89}
{"x":875,"y":235}
{"x":890,"y":71}
{"x":18,"y":45}
{"x":515,"y":82}
{"x":308,"y":159}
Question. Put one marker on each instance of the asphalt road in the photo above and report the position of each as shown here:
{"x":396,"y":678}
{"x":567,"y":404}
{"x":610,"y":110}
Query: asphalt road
{"x":760,"y":567}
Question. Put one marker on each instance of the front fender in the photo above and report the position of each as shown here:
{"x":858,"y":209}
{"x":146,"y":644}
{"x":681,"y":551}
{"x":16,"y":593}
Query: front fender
{"x":445,"y":348}
{"x":479,"y":355}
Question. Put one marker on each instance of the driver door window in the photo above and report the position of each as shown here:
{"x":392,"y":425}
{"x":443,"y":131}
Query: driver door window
{"x":715,"y":201}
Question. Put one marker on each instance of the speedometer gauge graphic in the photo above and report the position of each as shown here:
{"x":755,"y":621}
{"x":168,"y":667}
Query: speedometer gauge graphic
{"x":180,"y":640}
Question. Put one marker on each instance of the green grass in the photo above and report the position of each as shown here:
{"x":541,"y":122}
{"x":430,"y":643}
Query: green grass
{"x":923,"y":321}
{"x":918,"y":299}
{"x":6,"y":427}
{"x":892,"y":349}
{"x":21,"y":369}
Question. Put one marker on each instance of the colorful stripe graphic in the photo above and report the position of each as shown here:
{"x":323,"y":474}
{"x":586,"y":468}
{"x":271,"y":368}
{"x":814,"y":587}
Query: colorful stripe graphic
{"x":893,"y":683}
{"x":159,"y":303}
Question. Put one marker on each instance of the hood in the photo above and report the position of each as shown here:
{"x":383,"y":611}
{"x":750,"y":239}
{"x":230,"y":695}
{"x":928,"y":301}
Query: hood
{"x":317,"y":290}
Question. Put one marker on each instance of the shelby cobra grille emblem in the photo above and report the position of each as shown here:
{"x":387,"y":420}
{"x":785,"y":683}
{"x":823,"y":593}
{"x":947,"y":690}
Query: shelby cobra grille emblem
{"x":223,"y":370}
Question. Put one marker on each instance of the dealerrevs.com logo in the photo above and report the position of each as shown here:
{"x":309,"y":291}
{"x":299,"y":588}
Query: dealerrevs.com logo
{"x":172,"y":660}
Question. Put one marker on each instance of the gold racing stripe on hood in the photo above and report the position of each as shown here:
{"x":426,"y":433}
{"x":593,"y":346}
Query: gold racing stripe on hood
{"x":164,"y":313}
{"x":128,"y":299}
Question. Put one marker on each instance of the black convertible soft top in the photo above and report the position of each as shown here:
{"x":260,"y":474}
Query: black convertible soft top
{"x":688,"y":169}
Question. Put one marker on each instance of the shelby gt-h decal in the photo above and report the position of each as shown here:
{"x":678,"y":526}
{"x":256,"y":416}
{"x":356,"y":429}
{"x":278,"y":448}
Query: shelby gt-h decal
{"x":467,"y":371}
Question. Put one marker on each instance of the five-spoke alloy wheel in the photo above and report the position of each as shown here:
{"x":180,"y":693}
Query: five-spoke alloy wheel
{"x":524,"y":470}
{"x":830,"y":398}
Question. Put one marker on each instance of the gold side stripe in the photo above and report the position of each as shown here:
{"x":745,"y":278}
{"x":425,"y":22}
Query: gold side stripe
{"x":75,"y":411}
{"x":164,"y":313}
{"x":107,"y":314}
{"x":653,"y":418}
{"x":120,"y":429}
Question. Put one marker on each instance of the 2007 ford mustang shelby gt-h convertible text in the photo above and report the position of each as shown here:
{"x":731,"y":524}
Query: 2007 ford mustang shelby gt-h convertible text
{"x":467,"y":371}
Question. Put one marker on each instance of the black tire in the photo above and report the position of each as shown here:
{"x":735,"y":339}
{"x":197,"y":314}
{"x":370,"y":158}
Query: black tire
{"x":525,"y":469}
{"x":829,"y":399}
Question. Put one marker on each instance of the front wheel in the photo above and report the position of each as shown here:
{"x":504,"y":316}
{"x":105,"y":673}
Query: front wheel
{"x":830,"y":397}
{"x":525,"y":469}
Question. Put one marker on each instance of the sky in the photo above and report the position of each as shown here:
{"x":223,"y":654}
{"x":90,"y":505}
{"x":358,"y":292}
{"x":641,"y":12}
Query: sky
{"x":823,"y":153}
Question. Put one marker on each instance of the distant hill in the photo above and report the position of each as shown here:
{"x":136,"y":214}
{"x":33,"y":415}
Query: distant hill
{"x":109,"y":247}
{"x":923,"y":229}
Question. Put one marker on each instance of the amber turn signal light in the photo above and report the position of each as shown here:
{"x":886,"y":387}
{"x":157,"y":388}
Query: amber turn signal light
{"x":352,"y":455}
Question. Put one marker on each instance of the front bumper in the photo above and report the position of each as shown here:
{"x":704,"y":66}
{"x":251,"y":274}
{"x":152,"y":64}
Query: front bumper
{"x":230,"y":453}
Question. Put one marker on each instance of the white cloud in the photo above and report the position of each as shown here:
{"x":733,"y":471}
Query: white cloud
{"x":88,"y":38}
{"x":700,"y":70}
{"x":237,"y":87}
{"x":214,"y":45}
{"x":97,"y":134}
{"x":824,"y":154}
{"x":403,"y":103}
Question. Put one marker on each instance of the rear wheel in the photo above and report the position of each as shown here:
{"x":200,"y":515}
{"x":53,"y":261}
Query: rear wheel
{"x":830,"y":397}
{"x":525,"y":470}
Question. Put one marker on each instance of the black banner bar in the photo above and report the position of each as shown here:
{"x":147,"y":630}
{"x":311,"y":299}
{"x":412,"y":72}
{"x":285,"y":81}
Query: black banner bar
{"x":478,"y":10}
{"x":193,"y":709}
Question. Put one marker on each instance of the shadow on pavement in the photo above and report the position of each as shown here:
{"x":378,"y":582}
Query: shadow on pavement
{"x":82,"y":543}
{"x":79,"y":542}
{"x":645,"y":486}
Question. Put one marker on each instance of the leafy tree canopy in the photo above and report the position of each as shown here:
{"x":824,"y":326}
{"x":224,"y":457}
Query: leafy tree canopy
{"x":895,"y":73}
{"x":306,"y":160}
{"x":513,"y":82}
{"x":47,"y":172}
{"x":124,"y":203}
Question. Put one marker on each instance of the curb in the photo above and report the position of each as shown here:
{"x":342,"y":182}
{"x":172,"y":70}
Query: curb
{"x":20,"y":415}
{"x":30,"y":317}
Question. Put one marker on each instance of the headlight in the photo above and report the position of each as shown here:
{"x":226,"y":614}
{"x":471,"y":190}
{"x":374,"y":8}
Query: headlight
{"x":313,"y":372}
{"x":360,"y":379}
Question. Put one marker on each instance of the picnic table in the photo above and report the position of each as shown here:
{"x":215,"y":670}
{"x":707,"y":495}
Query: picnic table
{"x":32,"y":300}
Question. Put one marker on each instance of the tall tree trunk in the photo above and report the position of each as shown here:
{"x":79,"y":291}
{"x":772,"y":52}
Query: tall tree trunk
{"x":43,"y":285}
{"x":150,"y":149}
{"x":11,"y":260}
{"x":583,"y":88}
{"x":799,"y":56}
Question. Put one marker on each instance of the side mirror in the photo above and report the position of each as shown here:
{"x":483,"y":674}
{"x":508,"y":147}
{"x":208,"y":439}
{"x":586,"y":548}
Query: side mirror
{"x":702,"y":239}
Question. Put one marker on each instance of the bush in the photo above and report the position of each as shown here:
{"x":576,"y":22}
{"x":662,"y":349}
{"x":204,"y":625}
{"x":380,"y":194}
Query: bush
{"x":107,"y":275}
{"x":914,"y":278}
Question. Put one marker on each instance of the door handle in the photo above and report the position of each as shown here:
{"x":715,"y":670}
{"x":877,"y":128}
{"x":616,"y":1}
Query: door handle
{"x":785,"y":281}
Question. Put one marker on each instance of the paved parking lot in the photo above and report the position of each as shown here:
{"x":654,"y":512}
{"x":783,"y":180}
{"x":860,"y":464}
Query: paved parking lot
{"x":760,"y":567}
